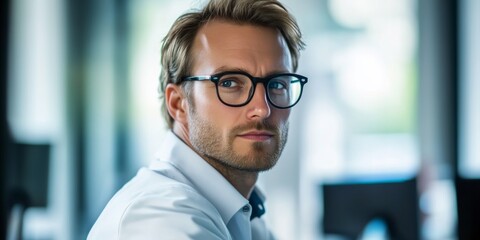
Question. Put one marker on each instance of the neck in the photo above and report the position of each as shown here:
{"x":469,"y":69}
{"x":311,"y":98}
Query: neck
{"x":243,"y":181}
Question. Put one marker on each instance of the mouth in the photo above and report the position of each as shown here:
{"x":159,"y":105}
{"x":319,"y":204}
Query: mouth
{"x":257,"y":135}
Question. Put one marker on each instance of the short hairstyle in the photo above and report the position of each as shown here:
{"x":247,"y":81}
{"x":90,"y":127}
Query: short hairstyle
{"x":176,"y":59}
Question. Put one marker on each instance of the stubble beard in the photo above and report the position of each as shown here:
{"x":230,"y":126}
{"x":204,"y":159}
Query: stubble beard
{"x":209,"y":142}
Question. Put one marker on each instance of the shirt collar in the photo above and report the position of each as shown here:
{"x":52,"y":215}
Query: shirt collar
{"x":256,"y":201}
{"x":206,"y":179}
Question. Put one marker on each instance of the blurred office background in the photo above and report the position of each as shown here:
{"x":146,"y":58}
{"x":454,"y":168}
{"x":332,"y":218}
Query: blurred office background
{"x":383,"y":145}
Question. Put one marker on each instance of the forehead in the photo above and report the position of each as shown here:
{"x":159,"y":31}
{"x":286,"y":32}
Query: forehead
{"x":225,"y":44}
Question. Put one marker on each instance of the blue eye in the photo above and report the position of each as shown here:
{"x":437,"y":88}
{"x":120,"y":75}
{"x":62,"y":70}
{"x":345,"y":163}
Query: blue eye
{"x":277,"y":85}
{"x":228,"y":83}
{"x":233,"y":82}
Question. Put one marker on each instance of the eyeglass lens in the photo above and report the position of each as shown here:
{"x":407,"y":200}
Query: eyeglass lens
{"x":236,"y":89}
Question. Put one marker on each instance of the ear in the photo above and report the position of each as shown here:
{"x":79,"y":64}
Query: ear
{"x":177,"y":103}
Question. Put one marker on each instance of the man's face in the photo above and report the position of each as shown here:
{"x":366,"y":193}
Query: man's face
{"x":251,"y":137}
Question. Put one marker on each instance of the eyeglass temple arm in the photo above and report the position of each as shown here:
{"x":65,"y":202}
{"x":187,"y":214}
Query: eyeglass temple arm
{"x":198,"y":78}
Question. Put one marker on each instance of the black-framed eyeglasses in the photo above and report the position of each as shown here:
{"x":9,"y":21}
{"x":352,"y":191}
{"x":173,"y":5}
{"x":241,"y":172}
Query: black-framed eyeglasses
{"x":236,"y":89}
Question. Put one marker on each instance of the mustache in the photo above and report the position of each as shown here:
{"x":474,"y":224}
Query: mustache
{"x":261,"y":126}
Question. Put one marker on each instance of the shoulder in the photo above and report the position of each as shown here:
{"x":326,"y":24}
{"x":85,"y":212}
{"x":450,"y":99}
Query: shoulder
{"x":153,"y":205}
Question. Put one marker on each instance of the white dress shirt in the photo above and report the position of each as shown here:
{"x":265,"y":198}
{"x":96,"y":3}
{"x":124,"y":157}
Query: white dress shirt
{"x":180,"y":196}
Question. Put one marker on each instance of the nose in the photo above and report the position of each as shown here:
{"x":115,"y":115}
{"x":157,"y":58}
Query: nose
{"x":258,"y":107}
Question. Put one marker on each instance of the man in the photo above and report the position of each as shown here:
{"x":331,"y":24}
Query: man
{"x":228,"y":87}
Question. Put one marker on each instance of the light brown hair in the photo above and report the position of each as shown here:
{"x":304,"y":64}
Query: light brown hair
{"x":176,"y":59}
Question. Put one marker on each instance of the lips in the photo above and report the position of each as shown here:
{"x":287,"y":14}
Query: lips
{"x":256,"y":135}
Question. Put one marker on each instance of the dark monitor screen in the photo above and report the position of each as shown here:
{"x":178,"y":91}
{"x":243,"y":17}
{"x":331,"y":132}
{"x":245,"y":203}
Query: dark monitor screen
{"x":349,"y":207}
{"x":468,"y":207}
{"x":30,"y":173}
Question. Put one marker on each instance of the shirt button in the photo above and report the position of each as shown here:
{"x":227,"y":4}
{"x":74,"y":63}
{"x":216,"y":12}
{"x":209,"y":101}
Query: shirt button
{"x":246,"y":209}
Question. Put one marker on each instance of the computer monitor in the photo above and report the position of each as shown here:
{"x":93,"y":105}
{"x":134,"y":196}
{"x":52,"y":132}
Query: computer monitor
{"x":468,"y":207}
{"x":349,"y":206}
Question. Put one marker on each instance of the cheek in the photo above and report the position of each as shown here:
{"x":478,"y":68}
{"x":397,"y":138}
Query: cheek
{"x":211,"y":109}
{"x":280,"y":116}
{"x":203,"y":98}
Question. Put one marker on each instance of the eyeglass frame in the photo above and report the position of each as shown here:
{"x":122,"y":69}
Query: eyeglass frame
{"x":215,"y":78}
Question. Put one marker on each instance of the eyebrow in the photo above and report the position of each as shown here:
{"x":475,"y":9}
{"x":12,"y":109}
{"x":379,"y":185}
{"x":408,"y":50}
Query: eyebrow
{"x":240,"y":69}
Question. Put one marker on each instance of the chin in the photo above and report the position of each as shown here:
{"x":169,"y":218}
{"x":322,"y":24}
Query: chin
{"x":258,"y":166}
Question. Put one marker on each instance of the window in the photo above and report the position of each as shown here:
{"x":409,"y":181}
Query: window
{"x":469,"y":166}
